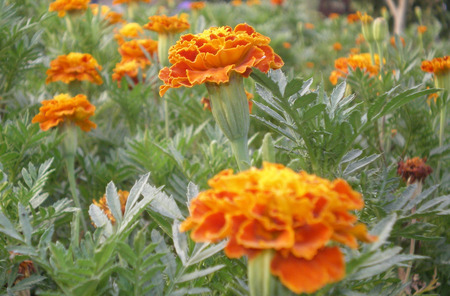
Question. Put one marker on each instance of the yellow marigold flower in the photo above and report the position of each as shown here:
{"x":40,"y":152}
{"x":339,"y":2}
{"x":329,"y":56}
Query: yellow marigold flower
{"x":422,"y":29}
{"x":437,"y":66}
{"x":130,"y":30}
{"x":352,"y":18}
{"x":63,"y":6}
{"x":333,"y":16}
{"x":337,"y":46}
{"x":309,"y":26}
{"x":103,"y":205}
{"x":132,"y":50}
{"x":129,"y":1}
{"x":211,"y":56}
{"x":63,"y":108}
{"x":163,"y":24}
{"x":111,"y":16}
{"x":361,"y":61}
{"x":296,"y":215}
{"x":364,"y":18}
{"x":197,"y":5}
{"x":413,"y":170}
{"x":74,"y":66}
{"x":130,"y":68}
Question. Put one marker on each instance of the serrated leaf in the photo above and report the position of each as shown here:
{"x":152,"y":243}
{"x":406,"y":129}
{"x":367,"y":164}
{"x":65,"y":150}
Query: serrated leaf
{"x":100,"y":219}
{"x":192,"y":192}
{"x":24,"y":220}
{"x":27,"y":283}
{"x":357,"y":165}
{"x":190,"y":291}
{"x":135,"y":192}
{"x":113,"y":202}
{"x":293,"y":87}
{"x":180,"y":242}
{"x":265,"y":81}
{"x":382,"y":231}
{"x":313,"y":112}
{"x":7,"y":228}
{"x":304,"y":100}
{"x":269,"y":111}
{"x":419,"y":198}
{"x":199,"y":273}
{"x":351,"y":155}
{"x":274,"y":127}
{"x":279,"y":78}
{"x":204,"y":252}
{"x":166,"y":206}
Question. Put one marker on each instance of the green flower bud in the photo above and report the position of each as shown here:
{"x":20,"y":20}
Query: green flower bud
{"x":380,"y":29}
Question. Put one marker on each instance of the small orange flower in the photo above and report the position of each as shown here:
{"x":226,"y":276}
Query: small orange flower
{"x":392,"y":41}
{"x":422,"y":29}
{"x":133,"y":50}
{"x":211,"y":56}
{"x":309,"y":65}
{"x":337,"y":46}
{"x":74,"y":66}
{"x":197,"y":5}
{"x":287,"y":45}
{"x":361,"y":61}
{"x":360,"y":39}
{"x":309,"y":26}
{"x":277,"y":2}
{"x":352,"y":18}
{"x":129,"y":1}
{"x":333,"y":16}
{"x":163,"y":24}
{"x":63,"y":6}
{"x":63,"y":108}
{"x":438,"y":66}
{"x":236,"y":2}
{"x":354,"y":50}
{"x":413,"y":170}
{"x":296,"y":215}
{"x":130,"y":68}
{"x":393,"y":132}
{"x":253,"y":2}
{"x":103,"y":205}
{"x":111,"y":16}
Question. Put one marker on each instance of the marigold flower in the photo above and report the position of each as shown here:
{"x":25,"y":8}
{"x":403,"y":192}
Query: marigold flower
{"x":63,"y":6}
{"x":392,"y":41}
{"x":274,"y":208}
{"x":413,"y":170}
{"x":360,"y":39}
{"x":277,"y":2}
{"x":253,"y":2}
{"x":309,"y":26}
{"x":197,"y":5}
{"x":333,"y":16}
{"x":422,"y":29}
{"x":103,"y":205}
{"x":130,"y":30}
{"x":63,"y":108}
{"x":26,"y":268}
{"x":354,"y":50}
{"x":352,"y":18}
{"x":133,"y":50}
{"x":129,"y":1}
{"x":130,"y":68}
{"x":236,"y":2}
{"x":362,"y":61}
{"x":211,"y":56}
{"x":337,"y":46}
{"x":287,"y":45}
{"x":74,"y":66}
{"x":111,"y":16}
{"x":163,"y":24}
{"x":364,"y":18}
{"x":309,"y":65}
{"x":437,"y":66}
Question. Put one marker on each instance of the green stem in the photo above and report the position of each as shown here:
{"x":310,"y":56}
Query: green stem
{"x":240,"y":151}
{"x":70,"y":165}
{"x":372,"y":56}
{"x":166,"y":118}
{"x":260,"y":280}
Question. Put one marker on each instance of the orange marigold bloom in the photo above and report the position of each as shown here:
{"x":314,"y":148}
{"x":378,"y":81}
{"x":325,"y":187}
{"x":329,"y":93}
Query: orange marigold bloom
{"x":438,"y":66}
{"x":422,"y":29}
{"x":103,"y":205}
{"x":352,"y":18}
{"x":111,"y":16}
{"x":309,"y":26}
{"x":197,"y":5}
{"x":74,"y":66}
{"x":163,"y":24}
{"x":130,"y":68}
{"x":211,"y":56}
{"x":354,"y":50}
{"x":277,"y":2}
{"x":364,"y":18}
{"x":360,"y":39}
{"x":63,"y":6}
{"x":392,"y":41}
{"x":236,"y":2}
{"x":287,"y":45}
{"x":26,"y":268}
{"x":274,"y":208}
{"x":129,"y":1}
{"x":132,"y":50}
{"x":253,"y":2}
{"x":362,"y":61}
{"x":337,"y":46}
{"x":63,"y":108}
{"x":309,"y":65}
{"x":413,"y":170}
{"x":333,"y":15}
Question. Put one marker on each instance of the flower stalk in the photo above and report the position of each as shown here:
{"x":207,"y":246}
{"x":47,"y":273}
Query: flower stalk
{"x":260,"y":280}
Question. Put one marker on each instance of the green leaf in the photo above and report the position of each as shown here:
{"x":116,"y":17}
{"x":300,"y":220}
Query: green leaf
{"x":382,"y":230}
{"x":27,"y":230}
{"x":357,"y":165}
{"x":313,"y":112}
{"x":199,"y":273}
{"x":294,"y":86}
{"x":135,"y":192}
{"x":180,"y":242}
{"x":7,"y":228}
{"x":265,"y":81}
{"x":351,"y":155}
{"x":113,"y":201}
{"x":166,"y":206}
{"x":192,"y":192}
{"x":304,"y":100}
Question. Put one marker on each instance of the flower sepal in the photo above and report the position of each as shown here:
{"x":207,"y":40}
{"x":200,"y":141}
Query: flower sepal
{"x":260,"y":280}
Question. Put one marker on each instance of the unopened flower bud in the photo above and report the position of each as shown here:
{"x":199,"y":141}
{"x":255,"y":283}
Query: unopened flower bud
{"x":380,"y":29}
{"x":418,"y":12}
